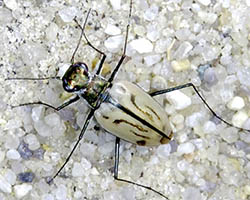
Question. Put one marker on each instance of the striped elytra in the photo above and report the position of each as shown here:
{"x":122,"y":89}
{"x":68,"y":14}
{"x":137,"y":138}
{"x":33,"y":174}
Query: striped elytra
{"x":126,"y":127}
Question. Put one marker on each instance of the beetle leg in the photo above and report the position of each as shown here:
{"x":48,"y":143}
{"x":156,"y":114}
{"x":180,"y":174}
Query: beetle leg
{"x":88,"y":43}
{"x":76,"y":98}
{"x":112,"y":76}
{"x":89,"y":117}
{"x":33,"y":79}
{"x":203,"y":100}
{"x":117,"y":146}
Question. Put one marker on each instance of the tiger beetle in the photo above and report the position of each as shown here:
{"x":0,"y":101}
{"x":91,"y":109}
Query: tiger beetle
{"x":122,"y":108}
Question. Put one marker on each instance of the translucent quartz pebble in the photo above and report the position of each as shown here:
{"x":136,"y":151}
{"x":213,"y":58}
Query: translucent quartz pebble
{"x":246,"y":124}
{"x":68,"y":14}
{"x":183,"y":50}
{"x":194,"y":119}
{"x":151,"y":13}
{"x":32,"y":141}
{"x":152,"y":59}
{"x":192,"y":193}
{"x":51,"y":125}
{"x":88,"y":150}
{"x":10,"y":176}
{"x":230,"y":135}
{"x":185,"y":148}
{"x":78,"y":195}
{"x":111,"y":195}
{"x":128,"y":193}
{"x":42,"y":129}
{"x":77,"y":170}
{"x":209,"y":18}
{"x":142,"y":45}
{"x":116,"y":4}
{"x":37,"y":113}
{"x":177,"y":119}
{"x":112,"y":30}
{"x":5,"y":16}
{"x":13,"y":154}
{"x":51,"y":32}
{"x":164,"y":151}
{"x":199,"y":143}
{"x":210,"y":77}
{"x":209,"y":53}
{"x":2,"y":156}
{"x":247,"y":189}
{"x":239,"y":118}
{"x":201,"y":70}
{"x":11,"y":4}
{"x":4,"y":185}
{"x":53,"y":120}
{"x":106,"y":148}
{"x":61,"y":192}
{"x":209,"y":127}
{"x":38,"y":153}
{"x":236,"y":103}
{"x":178,"y":99}
{"x":48,"y":197}
{"x":62,"y":69}
{"x":182,"y":34}
{"x":22,"y":190}
{"x":245,"y":136}
{"x":13,"y":124}
{"x":244,"y":76}
{"x":32,"y":52}
{"x":182,"y":165}
{"x":85,"y":164}
{"x":181,"y":65}
{"x":139,"y":30}
{"x":204,"y":2}
{"x":11,"y":141}
{"x":113,"y":43}
{"x":152,"y":33}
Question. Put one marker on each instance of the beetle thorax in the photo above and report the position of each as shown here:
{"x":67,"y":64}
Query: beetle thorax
{"x":97,"y":85}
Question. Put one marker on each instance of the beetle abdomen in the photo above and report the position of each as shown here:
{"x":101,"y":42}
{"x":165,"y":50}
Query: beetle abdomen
{"x":126,"y":127}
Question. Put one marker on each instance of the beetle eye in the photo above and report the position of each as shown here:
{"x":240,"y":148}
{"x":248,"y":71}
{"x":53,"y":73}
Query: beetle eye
{"x":81,"y":68}
{"x":76,"y":77}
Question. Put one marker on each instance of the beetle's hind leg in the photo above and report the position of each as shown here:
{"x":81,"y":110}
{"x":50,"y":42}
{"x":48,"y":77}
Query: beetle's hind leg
{"x":200,"y":96}
{"x":117,"y":146}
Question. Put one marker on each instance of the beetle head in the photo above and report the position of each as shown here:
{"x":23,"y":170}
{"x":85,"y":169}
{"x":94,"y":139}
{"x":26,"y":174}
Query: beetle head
{"x":76,"y":77}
